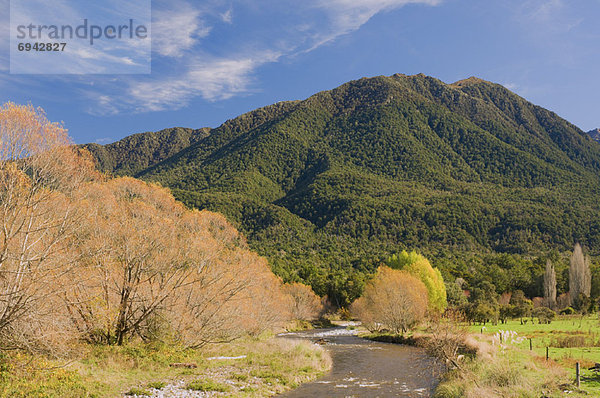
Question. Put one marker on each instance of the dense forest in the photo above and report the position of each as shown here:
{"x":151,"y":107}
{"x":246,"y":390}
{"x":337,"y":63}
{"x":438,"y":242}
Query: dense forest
{"x":482,"y":182}
{"x":138,"y":151}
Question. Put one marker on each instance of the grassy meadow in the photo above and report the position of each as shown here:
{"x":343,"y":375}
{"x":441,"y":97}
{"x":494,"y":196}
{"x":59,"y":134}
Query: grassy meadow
{"x":569,"y":339}
{"x":246,"y":368}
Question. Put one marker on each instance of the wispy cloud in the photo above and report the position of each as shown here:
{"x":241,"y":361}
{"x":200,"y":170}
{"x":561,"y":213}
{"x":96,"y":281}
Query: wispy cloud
{"x":80,"y":56}
{"x":103,"y":141}
{"x":349,"y":15}
{"x":187,"y":65}
{"x":227,"y":16}
{"x":177,"y":29}
{"x":215,"y":79}
{"x":541,"y":10}
{"x":550,"y":15}
{"x":219,"y":78}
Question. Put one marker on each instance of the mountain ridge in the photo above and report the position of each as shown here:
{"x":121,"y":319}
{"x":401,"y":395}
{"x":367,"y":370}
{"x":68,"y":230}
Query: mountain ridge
{"x":138,"y":151}
{"x":330,"y":185}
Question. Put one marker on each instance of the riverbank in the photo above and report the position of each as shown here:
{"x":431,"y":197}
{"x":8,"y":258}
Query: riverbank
{"x":366,"y":369}
{"x":498,"y":361}
{"x":250,"y":367}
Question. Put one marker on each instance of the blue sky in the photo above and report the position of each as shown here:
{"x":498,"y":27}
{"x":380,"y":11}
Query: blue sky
{"x":213,"y":60}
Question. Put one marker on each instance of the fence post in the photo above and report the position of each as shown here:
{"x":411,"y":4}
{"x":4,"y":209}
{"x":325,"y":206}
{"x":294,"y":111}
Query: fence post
{"x":530,"y":345}
{"x":547,"y":357}
{"x":577,"y":375}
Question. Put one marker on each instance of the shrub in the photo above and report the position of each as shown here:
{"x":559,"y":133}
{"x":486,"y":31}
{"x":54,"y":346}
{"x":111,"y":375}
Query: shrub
{"x":569,"y":342}
{"x":159,"y":385}
{"x":207,"y":385}
{"x":139,"y":392}
{"x":304,"y":303}
{"x":567,"y":311}
{"x":544,"y":314}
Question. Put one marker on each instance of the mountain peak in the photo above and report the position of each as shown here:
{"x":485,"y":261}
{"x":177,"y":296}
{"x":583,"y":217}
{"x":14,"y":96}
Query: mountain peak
{"x":469,"y":81}
{"x":595,"y":134}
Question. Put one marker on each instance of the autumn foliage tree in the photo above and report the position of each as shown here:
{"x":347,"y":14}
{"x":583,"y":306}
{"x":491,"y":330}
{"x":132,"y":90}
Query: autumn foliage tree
{"x":418,"y":266}
{"x":87,"y":258}
{"x":304,"y":303}
{"x":40,"y":172}
{"x":580,"y":277}
{"x":393,"y":299}
{"x":146,"y":260}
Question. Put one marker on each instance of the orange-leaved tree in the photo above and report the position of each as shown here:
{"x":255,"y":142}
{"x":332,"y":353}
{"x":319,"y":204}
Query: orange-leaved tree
{"x":418,"y":266}
{"x":152,"y":268}
{"x":40,"y":174}
{"x":393,"y":300}
{"x":305,"y":304}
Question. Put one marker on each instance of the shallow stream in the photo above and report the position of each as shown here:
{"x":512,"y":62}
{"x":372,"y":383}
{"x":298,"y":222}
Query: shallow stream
{"x":363,"y":368}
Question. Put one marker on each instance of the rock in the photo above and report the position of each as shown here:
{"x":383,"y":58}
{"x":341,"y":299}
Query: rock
{"x":184,"y":365}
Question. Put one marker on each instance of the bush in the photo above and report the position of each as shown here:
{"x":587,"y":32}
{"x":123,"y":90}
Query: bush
{"x":206,"y":385}
{"x":139,"y":392}
{"x":544,"y":314}
{"x":158,"y":385}
{"x":567,"y":311}
{"x":504,"y":375}
{"x":304,"y":303}
{"x":449,"y":391}
{"x":418,"y":266}
{"x":569,"y":342}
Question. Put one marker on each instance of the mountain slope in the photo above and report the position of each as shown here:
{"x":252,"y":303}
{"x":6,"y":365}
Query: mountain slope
{"x":136,"y":152}
{"x":328,"y":186}
{"x":595,"y":134}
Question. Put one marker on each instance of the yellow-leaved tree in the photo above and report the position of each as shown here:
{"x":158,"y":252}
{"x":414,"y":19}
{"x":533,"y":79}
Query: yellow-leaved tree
{"x":393,"y":299}
{"x":420,"y":267}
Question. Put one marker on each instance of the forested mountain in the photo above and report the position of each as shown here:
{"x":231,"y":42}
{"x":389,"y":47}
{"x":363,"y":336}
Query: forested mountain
{"x":327,"y":187}
{"x":136,"y":152}
{"x":595,"y":134}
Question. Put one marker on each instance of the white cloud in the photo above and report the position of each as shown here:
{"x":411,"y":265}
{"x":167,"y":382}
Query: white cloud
{"x":549,"y":15}
{"x":541,"y":10}
{"x":227,"y":16}
{"x":222,"y":78}
{"x":185,"y":69}
{"x":177,"y":29}
{"x":79,"y":56}
{"x":349,"y":15}
{"x":213,"y":80}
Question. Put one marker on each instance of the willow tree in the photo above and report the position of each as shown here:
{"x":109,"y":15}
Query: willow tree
{"x":151,"y":268}
{"x":40,"y":172}
{"x":418,"y":266}
{"x":580,"y":277}
{"x":304,"y":303}
{"x":393,"y":299}
{"x":550,"y":285}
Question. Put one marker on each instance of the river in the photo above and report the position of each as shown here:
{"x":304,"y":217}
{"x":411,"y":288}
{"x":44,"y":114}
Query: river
{"x":363,"y":368}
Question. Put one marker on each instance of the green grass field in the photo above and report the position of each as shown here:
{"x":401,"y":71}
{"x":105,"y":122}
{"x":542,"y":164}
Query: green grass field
{"x":569,"y":339}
